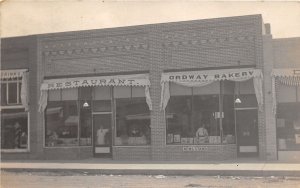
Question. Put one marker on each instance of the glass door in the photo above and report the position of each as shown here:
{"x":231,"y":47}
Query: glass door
{"x":247,"y":132}
{"x":102,"y":137}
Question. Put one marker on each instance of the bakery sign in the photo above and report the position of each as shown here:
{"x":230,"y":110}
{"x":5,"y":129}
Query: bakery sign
{"x":194,"y":148}
{"x":224,"y":74}
{"x":120,"y":80}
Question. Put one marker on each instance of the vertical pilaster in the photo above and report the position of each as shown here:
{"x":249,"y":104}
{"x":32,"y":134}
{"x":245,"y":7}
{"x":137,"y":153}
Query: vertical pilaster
{"x":270,"y":121}
{"x":158,"y":124}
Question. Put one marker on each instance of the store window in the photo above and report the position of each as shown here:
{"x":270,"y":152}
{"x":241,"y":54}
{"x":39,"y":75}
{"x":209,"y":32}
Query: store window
{"x":193,"y":115}
{"x":62,"y":118}
{"x":288,"y":118}
{"x":14,"y":129}
{"x":132,"y":116}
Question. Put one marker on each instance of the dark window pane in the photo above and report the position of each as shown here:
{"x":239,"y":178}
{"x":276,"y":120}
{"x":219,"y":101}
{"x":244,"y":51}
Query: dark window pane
{"x":102,"y":106}
{"x":14,"y":129}
{"x":12,"y":93}
{"x":85,"y":126}
{"x":3,"y":94}
{"x":85,"y":93}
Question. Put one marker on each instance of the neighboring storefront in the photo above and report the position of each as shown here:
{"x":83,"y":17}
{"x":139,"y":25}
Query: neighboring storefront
{"x":209,"y":108}
{"x":286,"y":107}
{"x":97,"y":111}
{"x":14,"y":111}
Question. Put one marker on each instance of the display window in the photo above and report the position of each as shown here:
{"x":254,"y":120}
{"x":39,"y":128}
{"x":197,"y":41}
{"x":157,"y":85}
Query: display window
{"x":132,"y":117}
{"x":62,"y":118}
{"x":14,"y":129}
{"x":193,"y":115}
{"x":288,"y":126}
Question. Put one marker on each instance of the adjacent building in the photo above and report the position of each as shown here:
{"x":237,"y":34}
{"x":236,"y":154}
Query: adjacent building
{"x":215,"y":89}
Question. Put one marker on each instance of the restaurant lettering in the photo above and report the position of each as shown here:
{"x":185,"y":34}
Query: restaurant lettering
{"x":91,"y":82}
{"x":204,"y":77}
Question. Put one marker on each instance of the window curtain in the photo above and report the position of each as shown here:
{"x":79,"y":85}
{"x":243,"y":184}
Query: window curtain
{"x":43,"y":100}
{"x":24,"y":90}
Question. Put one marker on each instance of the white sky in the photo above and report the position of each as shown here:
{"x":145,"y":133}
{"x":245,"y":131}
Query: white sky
{"x":26,"y":17}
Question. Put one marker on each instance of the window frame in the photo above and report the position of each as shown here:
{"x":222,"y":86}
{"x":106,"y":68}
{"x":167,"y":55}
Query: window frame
{"x":8,"y":81}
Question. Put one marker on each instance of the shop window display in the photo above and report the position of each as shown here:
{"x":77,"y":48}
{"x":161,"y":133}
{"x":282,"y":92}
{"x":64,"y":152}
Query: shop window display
{"x":62,"y":118}
{"x":192,"y":115}
{"x":14,"y":129}
{"x":201,"y":115}
{"x":132,"y":116}
{"x":288,"y":126}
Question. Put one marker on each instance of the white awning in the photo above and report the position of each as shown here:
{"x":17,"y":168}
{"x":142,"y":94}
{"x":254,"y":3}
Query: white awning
{"x":290,"y":77}
{"x":205,"y":77}
{"x":15,"y":73}
{"x":116,"y":80}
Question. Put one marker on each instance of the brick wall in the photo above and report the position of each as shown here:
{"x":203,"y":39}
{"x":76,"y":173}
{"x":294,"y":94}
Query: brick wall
{"x":286,"y":52}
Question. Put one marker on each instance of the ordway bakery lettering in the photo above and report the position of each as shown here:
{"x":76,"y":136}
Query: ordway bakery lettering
{"x":91,"y":82}
{"x":197,"y":77}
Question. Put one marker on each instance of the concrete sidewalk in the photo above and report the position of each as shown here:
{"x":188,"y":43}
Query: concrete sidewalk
{"x":156,"y":168}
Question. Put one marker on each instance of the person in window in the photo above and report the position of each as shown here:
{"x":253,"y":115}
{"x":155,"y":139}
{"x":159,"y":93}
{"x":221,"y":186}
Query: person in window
{"x":101,"y":132}
{"x":53,"y":138}
{"x":18,"y":133}
{"x":135,"y":132}
{"x":202,"y":134}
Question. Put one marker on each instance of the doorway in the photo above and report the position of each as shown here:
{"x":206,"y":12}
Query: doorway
{"x":102,"y":134}
{"x":247,"y":132}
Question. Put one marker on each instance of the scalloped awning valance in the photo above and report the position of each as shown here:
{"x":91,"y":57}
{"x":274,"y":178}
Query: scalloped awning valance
{"x":15,"y":73}
{"x":205,"y":77}
{"x":95,"y":81}
{"x":116,"y":80}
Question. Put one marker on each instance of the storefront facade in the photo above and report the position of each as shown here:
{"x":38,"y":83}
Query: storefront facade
{"x":192,"y":90}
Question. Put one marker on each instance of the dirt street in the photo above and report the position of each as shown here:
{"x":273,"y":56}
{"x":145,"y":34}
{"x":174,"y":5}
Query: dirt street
{"x":43,"y":179}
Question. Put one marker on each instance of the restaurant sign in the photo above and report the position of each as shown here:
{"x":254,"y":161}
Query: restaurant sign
{"x":121,"y":80}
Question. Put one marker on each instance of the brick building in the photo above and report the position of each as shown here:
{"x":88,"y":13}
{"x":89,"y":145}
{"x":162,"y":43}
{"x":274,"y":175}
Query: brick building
{"x":193,"y":90}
